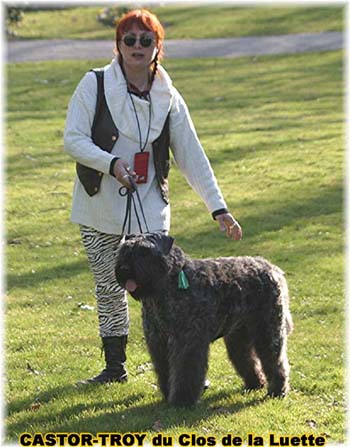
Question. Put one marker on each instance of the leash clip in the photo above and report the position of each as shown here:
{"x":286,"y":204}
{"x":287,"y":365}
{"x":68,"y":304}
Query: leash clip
{"x":124,"y":190}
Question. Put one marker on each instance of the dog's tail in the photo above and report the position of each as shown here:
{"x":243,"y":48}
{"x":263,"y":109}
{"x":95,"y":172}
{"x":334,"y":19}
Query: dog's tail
{"x":280,"y":279}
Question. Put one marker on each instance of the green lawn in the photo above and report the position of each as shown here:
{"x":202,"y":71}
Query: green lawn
{"x":273,"y":129}
{"x":181,"y":22}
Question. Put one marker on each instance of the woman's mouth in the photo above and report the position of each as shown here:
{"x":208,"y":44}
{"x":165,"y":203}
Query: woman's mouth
{"x":137,"y":55}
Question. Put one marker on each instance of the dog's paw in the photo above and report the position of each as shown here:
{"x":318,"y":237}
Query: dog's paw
{"x":278,"y":394}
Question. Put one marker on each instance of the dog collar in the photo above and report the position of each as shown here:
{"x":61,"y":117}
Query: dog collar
{"x":182,"y":281}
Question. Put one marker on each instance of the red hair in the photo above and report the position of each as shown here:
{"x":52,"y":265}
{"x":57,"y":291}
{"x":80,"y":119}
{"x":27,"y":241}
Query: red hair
{"x":145,"y":20}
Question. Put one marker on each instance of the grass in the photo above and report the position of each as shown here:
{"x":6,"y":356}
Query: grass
{"x":273,"y":129}
{"x":188,"y":21}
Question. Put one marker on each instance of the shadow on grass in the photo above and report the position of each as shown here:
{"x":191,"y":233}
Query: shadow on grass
{"x":273,"y":217}
{"x":159,"y":415}
{"x":126,"y":414}
{"x":270,"y":219}
{"x":61,"y":271}
{"x":21,"y":167}
{"x":324,"y":202}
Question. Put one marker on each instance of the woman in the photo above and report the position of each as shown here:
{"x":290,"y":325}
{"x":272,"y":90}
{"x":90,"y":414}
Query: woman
{"x":127,"y":134}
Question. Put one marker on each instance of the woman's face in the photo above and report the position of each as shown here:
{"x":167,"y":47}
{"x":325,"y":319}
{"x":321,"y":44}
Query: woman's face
{"x":138,"y":48}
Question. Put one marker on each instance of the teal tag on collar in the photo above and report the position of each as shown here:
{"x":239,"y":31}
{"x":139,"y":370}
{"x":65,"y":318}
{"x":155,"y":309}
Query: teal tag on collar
{"x":183,"y":281}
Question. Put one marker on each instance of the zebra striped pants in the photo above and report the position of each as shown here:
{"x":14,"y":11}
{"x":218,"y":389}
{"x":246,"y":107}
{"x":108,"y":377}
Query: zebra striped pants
{"x":112,"y":304}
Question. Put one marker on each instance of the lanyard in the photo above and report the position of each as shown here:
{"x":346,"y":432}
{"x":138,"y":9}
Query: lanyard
{"x":142,"y":148}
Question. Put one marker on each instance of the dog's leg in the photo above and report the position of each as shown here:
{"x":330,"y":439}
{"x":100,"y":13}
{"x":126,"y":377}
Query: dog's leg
{"x":188,"y":367}
{"x":239,"y":345}
{"x":271,"y":348}
{"x":158,"y":349}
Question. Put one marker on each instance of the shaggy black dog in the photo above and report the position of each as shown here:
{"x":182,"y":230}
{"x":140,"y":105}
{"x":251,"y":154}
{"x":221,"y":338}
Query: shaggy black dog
{"x":188,"y":303}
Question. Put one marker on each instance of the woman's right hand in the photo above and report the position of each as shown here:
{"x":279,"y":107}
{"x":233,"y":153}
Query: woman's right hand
{"x":122,"y":171}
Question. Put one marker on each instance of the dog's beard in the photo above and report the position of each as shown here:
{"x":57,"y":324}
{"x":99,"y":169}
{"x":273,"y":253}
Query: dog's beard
{"x":140,"y":282}
{"x":141,"y":268}
{"x":132,"y":279}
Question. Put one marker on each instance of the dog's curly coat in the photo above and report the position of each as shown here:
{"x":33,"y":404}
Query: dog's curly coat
{"x":243,"y":299}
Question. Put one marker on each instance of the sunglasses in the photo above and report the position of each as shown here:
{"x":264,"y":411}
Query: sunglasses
{"x":145,"y":40}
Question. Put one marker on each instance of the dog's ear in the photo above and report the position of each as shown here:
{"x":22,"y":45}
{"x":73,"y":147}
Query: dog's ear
{"x":167,"y":244}
{"x":161,"y":241}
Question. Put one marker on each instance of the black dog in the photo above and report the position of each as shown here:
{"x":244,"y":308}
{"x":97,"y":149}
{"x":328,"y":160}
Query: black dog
{"x":188,"y":303}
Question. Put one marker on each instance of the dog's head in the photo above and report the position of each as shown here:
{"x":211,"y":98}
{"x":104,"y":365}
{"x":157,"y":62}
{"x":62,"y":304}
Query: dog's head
{"x":141,"y":266}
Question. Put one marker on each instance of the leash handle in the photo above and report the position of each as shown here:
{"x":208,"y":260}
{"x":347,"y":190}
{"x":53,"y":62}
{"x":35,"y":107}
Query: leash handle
{"x":130,"y":201}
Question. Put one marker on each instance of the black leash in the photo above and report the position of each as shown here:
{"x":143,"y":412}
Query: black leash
{"x":130,"y":202}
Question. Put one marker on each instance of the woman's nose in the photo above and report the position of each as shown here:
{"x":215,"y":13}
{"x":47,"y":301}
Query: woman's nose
{"x":137,"y":44}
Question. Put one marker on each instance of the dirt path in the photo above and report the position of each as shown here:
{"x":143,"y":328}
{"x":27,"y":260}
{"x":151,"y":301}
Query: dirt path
{"x":40,"y":50}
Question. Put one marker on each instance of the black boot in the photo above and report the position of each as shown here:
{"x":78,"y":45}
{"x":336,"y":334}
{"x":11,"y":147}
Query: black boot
{"x":115,"y":357}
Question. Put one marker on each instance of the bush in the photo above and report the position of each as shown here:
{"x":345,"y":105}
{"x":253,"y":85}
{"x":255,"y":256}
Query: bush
{"x":13,"y":17}
{"x":109,"y":16}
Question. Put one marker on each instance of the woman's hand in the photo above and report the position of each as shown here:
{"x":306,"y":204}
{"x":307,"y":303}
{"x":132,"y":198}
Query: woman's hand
{"x":122,"y":172}
{"x":229,"y":224}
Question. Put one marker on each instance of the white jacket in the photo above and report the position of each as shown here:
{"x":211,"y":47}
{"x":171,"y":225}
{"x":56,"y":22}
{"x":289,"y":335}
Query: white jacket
{"x":105,"y":211}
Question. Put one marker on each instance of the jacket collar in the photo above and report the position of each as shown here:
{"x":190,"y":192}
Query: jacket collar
{"x":120,"y":106}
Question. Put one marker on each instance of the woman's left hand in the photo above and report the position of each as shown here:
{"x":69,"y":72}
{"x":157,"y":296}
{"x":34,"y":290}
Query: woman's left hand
{"x":229,"y":224}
